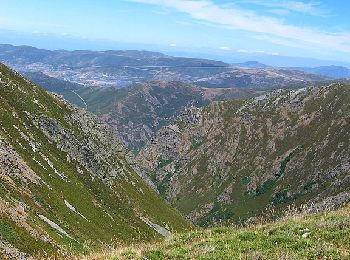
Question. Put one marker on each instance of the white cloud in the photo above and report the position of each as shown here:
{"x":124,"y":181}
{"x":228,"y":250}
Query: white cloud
{"x":172,"y":44}
{"x":235,"y":18}
{"x":257,"y":52}
{"x":311,"y":7}
{"x":225,"y":48}
{"x":279,"y":11}
{"x":244,"y":51}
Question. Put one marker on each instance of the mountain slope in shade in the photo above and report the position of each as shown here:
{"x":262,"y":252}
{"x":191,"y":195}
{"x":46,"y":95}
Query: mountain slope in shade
{"x":235,"y":160}
{"x":66,"y":185}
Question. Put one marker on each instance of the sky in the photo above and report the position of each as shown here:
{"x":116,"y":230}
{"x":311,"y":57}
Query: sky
{"x":316,"y":29}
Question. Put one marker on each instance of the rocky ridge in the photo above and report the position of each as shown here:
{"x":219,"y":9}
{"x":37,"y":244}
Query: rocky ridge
{"x":235,"y":160}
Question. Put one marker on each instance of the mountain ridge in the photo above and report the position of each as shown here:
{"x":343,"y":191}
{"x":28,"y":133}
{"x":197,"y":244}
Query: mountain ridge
{"x":67,"y":185}
{"x":232,"y":160}
{"x":126,"y":68}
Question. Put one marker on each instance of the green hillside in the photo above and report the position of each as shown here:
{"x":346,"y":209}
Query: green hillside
{"x":66,"y":186}
{"x":295,"y":237}
{"x":235,"y":160}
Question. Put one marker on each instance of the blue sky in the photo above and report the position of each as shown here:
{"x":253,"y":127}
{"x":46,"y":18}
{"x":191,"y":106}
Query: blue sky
{"x":318,"y":29}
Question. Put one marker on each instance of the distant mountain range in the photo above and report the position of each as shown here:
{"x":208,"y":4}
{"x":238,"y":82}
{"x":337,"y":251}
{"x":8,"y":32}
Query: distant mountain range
{"x":332,"y":71}
{"x":251,"y":64}
{"x":126,"y":68}
{"x":57,"y":41}
{"x":335,"y":72}
{"x":107,"y":68}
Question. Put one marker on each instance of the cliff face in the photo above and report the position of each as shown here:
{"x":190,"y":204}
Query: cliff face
{"x":66,"y":184}
{"x":236,"y":160}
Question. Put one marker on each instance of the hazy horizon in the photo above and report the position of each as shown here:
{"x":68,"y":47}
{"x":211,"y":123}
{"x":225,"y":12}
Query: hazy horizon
{"x":231,"y":31}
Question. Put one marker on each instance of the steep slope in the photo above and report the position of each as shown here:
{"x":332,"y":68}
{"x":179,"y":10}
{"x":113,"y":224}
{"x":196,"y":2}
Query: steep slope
{"x":233,"y":160}
{"x":297,"y":236}
{"x":66,"y":185}
{"x":147,"y":107}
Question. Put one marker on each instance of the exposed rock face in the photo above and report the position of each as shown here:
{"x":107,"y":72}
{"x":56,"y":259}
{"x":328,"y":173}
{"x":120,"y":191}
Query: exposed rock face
{"x":235,"y":159}
{"x":96,"y":152}
{"x":66,"y":183}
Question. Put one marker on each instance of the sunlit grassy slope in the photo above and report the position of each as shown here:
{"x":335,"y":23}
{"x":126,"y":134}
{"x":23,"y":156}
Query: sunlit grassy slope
{"x":297,"y":236}
{"x":66,"y":186}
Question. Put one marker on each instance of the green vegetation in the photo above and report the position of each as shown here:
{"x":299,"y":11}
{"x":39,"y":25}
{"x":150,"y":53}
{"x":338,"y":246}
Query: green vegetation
{"x":266,"y":186}
{"x":314,"y":236}
{"x":287,"y":159}
{"x":163,"y":162}
{"x":268,"y":152}
{"x":65,"y":184}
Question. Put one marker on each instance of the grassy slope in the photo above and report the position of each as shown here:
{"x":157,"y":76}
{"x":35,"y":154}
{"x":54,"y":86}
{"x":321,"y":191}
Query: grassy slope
{"x":111,"y":213}
{"x":315,"y":236}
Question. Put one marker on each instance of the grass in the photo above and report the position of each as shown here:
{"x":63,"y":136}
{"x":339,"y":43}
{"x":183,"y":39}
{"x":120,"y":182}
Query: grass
{"x":296,"y":236}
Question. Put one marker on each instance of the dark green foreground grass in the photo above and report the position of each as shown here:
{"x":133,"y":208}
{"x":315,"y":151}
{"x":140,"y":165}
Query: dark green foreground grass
{"x":314,"y":236}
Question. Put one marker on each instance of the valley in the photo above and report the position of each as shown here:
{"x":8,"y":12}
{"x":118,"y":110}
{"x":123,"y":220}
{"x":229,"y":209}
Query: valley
{"x":179,"y":129}
{"x":234,"y":160}
{"x":85,"y":164}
